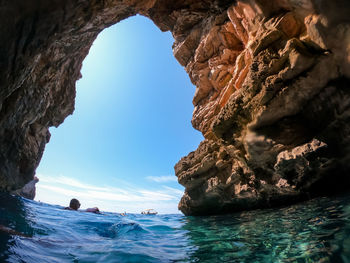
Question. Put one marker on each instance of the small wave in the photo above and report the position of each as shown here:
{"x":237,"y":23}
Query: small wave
{"x":160,"y":228}
{"x":117,"y":256}
{"x":120,"y":229}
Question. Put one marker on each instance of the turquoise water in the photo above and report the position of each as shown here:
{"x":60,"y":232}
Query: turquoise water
{"x":314,"y":231}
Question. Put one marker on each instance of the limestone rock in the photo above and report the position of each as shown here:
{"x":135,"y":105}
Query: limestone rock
{"x":272,"y":80}
{"x":28,"y":191}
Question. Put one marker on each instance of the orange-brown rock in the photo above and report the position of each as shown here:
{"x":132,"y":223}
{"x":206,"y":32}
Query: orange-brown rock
{"x":271,"y":99}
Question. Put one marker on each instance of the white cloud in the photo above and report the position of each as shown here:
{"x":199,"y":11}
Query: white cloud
{"x":68,"y":182}
{"x":59,"y":190}
{"x":162,"y":179}
{"x":174,"y":191}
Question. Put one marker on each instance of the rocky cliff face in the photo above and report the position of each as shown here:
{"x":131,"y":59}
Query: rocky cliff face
{"x":272,"y":91}
{"x":28,"y":191}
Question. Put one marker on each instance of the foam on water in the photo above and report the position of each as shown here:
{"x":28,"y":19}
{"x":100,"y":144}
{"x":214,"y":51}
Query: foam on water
{"x":313,"y":231}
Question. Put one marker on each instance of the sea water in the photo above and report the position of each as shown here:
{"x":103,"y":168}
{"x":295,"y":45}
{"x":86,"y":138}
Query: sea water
{"x":313,"y":231}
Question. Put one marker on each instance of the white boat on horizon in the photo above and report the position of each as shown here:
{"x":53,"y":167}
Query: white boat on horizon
{"x":149,"y":212}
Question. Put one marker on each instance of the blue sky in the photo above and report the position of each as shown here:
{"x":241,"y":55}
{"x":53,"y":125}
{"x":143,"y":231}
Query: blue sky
{"x":132,"y":123}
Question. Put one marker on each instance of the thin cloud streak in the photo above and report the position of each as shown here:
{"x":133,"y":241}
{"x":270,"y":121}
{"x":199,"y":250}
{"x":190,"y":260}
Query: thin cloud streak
{"x":162,"y":179}
{"x":174,"y":191}
{"x":68,"y":182}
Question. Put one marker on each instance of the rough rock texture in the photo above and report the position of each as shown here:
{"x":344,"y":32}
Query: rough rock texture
{"x":28,"y":191}
{"x":272,"y":91}
{"x":272,"y":101}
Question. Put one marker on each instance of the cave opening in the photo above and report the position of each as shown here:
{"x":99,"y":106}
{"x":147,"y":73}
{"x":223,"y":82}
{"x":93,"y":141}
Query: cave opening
{"x":131,"y":124}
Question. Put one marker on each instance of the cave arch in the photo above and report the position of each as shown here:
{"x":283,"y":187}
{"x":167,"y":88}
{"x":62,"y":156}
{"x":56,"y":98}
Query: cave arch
{"x":274,"y":53}
{"x":41,"y":61}
{"x":131,"y":120}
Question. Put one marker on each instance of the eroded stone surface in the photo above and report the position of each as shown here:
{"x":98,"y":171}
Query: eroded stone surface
{"x":28,"y":191}
{"x":263,"y":100}
{"x":271,"y":99}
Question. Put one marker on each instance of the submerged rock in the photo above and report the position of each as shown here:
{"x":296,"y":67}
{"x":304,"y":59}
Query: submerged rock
{"x":272,"y":91}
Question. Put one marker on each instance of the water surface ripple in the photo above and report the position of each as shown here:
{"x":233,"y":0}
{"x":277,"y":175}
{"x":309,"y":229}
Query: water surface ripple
{"x":313,"y":231}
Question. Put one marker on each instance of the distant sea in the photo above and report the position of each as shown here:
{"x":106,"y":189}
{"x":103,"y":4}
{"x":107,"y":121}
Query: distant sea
{"x":313,"y":231}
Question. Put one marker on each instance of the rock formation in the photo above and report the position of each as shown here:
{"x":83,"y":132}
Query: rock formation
{"x":28,"y":191}
{"x":272,"y":97}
